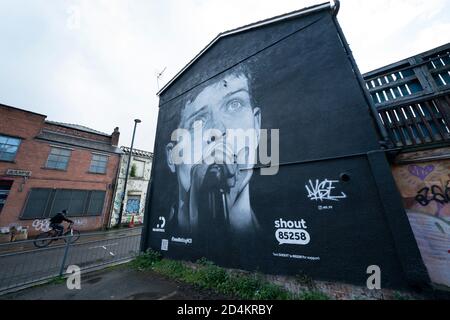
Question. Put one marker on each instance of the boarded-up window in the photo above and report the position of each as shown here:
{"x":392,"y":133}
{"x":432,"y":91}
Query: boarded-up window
{"x":44,"y":203}
{"x":133,"y":204}
{"x":61,"y":201}
{"x":37,"y":204}
{"x":78,"y":203}
{"x":96,"y":203}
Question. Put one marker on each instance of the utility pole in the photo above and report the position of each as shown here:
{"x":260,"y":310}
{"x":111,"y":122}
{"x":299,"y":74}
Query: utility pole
{"x":136,"y":121}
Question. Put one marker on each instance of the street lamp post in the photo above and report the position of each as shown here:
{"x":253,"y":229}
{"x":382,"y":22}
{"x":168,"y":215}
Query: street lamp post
{"x":136,"y":121}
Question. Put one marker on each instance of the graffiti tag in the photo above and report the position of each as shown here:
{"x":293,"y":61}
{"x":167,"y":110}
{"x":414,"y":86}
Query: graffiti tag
{"x":79,"y":222}
{"x":427,"y":195}
{"x":321,"y":191}
{"x":41,"y":225}
{"x":421,"y":172}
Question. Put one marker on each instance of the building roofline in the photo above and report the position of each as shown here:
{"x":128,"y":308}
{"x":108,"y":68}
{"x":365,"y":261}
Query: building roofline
{"x":78,"y":128}
{"x":137,"y":152}
{"x":374,"y":72}
{"x":20,"y":109}
{"x":333,"y":5}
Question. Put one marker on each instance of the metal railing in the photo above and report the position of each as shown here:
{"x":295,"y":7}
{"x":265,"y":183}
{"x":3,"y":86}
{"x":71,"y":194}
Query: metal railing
{"x":21,"y":265}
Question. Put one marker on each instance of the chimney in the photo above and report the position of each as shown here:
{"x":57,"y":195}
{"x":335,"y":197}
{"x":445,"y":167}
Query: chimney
{"x":115,"y":137}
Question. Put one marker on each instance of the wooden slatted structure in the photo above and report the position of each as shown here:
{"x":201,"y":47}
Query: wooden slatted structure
{"x":412,"y":97}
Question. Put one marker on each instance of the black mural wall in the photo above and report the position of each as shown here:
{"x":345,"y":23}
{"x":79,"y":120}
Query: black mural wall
{"x":332,"y":209}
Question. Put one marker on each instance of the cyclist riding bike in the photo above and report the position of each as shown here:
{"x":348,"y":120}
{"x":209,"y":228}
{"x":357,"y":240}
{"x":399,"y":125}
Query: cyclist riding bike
{"x":55,"y":222}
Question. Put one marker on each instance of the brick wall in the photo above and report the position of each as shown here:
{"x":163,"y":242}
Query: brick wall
{"x":32,"y":156}
{"x":76,"y":133}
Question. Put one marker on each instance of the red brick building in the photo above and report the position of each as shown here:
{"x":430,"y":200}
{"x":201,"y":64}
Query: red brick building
{"x":47,"y":166}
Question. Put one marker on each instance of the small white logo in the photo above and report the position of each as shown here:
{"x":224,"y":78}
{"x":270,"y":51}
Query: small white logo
{"x":160,"y":226}
{"x":164,"y":244}
{"x":182,"y":240}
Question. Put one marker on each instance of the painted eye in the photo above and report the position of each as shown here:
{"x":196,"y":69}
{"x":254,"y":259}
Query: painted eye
{"x":233,"y":106}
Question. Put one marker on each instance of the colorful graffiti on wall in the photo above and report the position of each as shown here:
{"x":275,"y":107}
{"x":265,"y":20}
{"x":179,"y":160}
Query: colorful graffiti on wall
{"x":425,"y":189}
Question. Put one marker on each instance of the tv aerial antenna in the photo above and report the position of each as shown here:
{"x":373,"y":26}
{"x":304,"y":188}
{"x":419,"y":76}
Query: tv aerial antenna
{"x":159,"y":76}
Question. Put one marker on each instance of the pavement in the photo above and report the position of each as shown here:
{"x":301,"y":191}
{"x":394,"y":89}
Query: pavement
{"x":24,"y":267}
{"x":116,"y":283}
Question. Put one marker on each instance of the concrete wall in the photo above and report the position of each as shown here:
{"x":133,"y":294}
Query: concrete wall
{"x":424,"y":185}
{"x":135,"y":186}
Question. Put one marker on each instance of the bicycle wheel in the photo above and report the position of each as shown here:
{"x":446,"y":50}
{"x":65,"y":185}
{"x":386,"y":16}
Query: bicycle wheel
{"x":75,"y":236}
{"x":43,"y":239}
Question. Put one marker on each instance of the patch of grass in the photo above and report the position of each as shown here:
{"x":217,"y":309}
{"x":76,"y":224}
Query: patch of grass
{"x":146,"y":260}
{"x":209,"y":276}
{"x":57,"y":280}
{"x":399,"y":296}
{"x":171,"y":268}
{"x":313,"y":295}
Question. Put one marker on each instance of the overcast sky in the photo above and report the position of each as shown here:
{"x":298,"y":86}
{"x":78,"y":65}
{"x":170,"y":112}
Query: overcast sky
{"x":94,"y":62}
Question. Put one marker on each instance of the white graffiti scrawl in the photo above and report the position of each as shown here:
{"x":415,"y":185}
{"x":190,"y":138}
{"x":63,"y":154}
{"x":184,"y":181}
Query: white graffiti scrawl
{"x":321,"y":191}
{"x":41,"y":225}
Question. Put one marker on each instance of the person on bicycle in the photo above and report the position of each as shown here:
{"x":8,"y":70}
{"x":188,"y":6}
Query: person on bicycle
{"x":55,"y":222}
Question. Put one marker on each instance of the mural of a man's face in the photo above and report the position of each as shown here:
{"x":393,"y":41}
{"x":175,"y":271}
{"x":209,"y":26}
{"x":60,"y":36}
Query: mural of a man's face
{"x":224,"y":104}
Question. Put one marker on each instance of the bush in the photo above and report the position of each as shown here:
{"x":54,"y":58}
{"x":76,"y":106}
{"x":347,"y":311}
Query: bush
{"x":146,"y":260}
{"x":133,"y":171}
{"x":171,"y":268}
{"x":211,"y":276}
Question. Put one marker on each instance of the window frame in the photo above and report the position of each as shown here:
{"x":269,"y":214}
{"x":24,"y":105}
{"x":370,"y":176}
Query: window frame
{"x":58,"y":156}
{"x":135,"y":161}
{"x":91,"y":165}
{"x":51,"y":198}
{"x":6,"y":143}
{"x":133,"y":197}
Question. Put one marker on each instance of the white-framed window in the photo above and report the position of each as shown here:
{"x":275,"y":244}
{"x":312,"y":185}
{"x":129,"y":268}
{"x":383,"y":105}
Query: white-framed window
{"x":58,"y":158}
{"x":99,"y":163}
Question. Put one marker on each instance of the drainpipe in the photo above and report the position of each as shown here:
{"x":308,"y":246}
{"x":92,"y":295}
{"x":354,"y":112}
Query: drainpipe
{"x":386,"y":141}
{"x":114,"y":194}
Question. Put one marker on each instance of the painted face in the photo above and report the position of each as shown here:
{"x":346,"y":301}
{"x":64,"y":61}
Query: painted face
{"x":225,"y":104}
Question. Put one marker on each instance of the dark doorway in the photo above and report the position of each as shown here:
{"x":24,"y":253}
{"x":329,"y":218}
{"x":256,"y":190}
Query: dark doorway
{"x":5,"y":187}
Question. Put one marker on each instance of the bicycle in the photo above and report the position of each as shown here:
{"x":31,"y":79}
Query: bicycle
{"x":46,"y":238}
